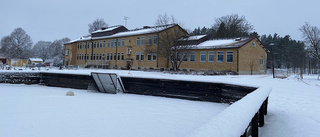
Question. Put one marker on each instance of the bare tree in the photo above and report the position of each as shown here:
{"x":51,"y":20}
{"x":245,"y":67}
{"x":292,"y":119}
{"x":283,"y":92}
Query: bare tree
{"x":168,"y":46}
{"x":311,"y":35}
{"x":17,"y":45}
{"x":57,"y":50}
{"x":96,"y":25}
{"x":41,"y":49}
{"x":231,"y":26}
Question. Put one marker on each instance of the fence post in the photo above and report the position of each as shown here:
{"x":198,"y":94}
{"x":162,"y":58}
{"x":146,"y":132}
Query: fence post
{"x":255,"y":127}
{"x":266,"y":106}
{"x":261,"y":115}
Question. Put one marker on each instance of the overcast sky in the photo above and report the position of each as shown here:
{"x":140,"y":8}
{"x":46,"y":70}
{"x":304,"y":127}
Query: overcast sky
{"x":49,"y":20}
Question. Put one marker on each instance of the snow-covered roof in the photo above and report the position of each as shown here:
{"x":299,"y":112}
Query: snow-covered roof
{"x":197,"y":37}
{"x":146,"y":30}
{"x":36,"y":59}
{"x":107,"y":29}
{"x":222,"y":43}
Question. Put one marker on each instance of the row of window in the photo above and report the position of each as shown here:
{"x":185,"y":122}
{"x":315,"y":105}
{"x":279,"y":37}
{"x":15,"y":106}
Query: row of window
{"x":92,"y":57}
{"x":116,"y":56}
{"x":153,"y":56}
{"x":102,"y":44}
{"x":220,"y":58}
{"x":150,"y":56}
{"x":96,"y":44}
{"x":141,"y":41}
{"x":203,"y":56}
{"x":117,"y":42}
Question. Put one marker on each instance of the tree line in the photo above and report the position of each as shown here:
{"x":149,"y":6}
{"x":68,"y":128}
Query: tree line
{"x":19,"y":45}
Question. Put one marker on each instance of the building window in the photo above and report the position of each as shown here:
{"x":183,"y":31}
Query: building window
{"x":141,"y":56}
{"x":87,"y":56}
{"x":142,"y":40}
{"x":149,"y":40}
{"x":111,"y":43}
{"x":123,"y":42}
{"x":261,"y":62}
{"x":185,"y":56}
{"x":178,"y":56}
{"x":104,"y":43}
{"x":100,"y":44}
{"x":108,"y":43}
{"x":154,"y":56}
{"x":229,"y":56}
{"x":111,"y":55}
{"x":97,"y":56}
{"x":67,"y":52}
{"x":94,"y":56}
{"x":119,"y":42}
{"x":155,"y":39}
{"x":220,"y":56}
{"x":203,"y":55}
{"x":118,"y":56}
{"x":122,"y":56}
{"x":129,"y":50}
{"x":107,"y":56}
{"x":137,"y":55}
{"x":114,"y":56}
{"x":149,"y":56}
{"x":138,"y":41}
{"x":211,"y":56}
{"x":115,"y":43}
{"x":192,"y":56}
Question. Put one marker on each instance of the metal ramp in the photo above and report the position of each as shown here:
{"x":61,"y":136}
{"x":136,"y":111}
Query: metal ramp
{"x":108,"y":82}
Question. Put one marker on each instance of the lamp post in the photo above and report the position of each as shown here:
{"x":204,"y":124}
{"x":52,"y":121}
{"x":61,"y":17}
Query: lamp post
{"x":272,"y":44}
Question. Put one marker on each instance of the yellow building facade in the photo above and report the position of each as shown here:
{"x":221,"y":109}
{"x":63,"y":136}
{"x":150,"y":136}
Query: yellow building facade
{"x":136,"y":49}
{"x":139,"y":49}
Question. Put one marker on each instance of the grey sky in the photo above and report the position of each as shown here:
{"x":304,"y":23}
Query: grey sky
{"x":54,"y":19}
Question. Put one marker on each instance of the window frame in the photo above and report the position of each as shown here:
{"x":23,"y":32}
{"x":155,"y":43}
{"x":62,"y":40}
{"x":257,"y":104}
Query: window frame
{"x":205,"y":56}
{"x":137,"y":55}
{"x":138,"y":41}
{"x":228,"y":53}
{"x":141,"y":56}
{"x":154,"y":56}
{"x":155,"y":39}
{"x":218,"y":55}
{"x":192,"y":54}
{"x":212,"y":54}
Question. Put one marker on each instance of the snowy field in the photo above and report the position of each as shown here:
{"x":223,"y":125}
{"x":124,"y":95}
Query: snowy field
{"x":40,"y":111}
{"x":32,"y":110}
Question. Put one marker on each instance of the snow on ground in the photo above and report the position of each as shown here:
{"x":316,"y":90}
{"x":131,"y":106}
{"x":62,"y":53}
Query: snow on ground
{"x":40,"y":111}
{"x":293,"y":111}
